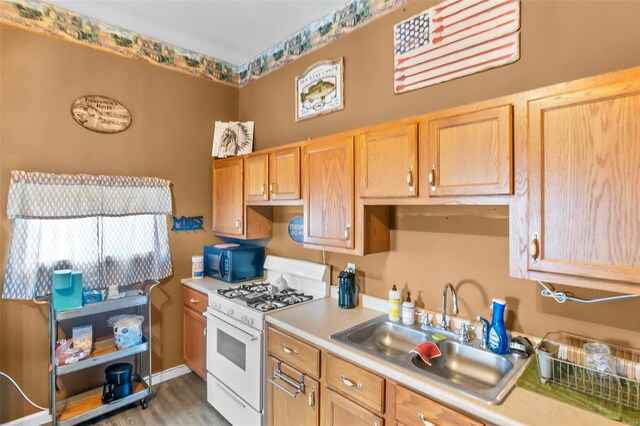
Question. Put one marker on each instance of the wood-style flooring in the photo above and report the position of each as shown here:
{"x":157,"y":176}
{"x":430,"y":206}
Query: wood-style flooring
{"x":179,"y":401}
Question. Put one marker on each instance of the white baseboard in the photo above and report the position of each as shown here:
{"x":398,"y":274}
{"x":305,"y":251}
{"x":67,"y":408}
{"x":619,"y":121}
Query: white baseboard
{"x":43,"y":417}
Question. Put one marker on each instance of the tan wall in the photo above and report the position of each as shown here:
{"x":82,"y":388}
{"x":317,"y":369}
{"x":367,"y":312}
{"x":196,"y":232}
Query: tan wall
{"x":170,"y":137}
{"x":560,"y":41}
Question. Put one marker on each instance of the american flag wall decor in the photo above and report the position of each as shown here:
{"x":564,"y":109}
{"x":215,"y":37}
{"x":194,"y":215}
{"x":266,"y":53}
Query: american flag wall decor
{"x":454,"y":39}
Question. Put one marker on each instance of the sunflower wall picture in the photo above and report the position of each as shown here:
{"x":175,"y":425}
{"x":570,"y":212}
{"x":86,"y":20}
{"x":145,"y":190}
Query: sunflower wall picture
{"x":232,"y":138}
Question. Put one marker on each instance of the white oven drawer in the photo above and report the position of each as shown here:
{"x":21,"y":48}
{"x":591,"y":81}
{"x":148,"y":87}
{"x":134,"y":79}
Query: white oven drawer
{"x":232,"y":408}
{"x":234,"y":357}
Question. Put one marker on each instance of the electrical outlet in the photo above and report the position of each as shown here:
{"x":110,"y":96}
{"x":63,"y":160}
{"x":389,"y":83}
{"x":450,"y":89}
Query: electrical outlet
{"x":351,"y":267}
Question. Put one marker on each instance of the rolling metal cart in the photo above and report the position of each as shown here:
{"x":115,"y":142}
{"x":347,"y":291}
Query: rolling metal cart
{"x":87,"y":405}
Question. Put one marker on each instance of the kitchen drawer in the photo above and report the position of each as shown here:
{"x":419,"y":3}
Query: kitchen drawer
{"x":415,"y":409}
{"x":194,"y":299}
{"x":355,"y":382}
{"x":294,"y":352}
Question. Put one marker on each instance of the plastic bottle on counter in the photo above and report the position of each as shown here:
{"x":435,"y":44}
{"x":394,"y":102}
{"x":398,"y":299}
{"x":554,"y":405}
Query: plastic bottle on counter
{"x":408,"y":311}
{"x":394,"y":304}
{"x":197,"y":267}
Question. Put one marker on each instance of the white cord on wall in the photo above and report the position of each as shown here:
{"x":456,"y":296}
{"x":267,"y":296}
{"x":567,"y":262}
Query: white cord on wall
{"x":20,"y":390}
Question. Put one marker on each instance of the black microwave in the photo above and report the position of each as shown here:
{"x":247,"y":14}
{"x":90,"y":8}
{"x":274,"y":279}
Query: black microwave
{"x":233,"y":264}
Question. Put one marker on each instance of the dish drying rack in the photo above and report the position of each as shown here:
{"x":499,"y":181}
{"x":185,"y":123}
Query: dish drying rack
{"x":563,"y":363}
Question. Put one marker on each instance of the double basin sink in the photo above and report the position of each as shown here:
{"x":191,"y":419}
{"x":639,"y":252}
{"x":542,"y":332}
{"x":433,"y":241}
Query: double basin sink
{"x":465,"y":367}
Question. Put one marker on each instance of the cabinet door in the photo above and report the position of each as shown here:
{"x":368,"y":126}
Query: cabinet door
{"x":328,"y":192}
{"x":227,"y":196}
{"x":342,"y":411}
{"x":256,"y":177}
{"x":284,"y":172}
{"x":285,"y":409}
{"x":195,"y":342}
{"x":471,"y":154}
{"x":584,"y":183}
{"x":389,"y":162}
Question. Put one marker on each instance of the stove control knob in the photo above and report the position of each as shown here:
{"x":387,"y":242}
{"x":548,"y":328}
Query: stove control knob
{"x":230,"y":311}
{"x":250,"y":322}
{"x":244,"y":319}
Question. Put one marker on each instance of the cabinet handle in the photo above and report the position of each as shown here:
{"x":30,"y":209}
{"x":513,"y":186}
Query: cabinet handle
{"x":410,"y":179}
{"x":424,"y":421}
{"x":204,"y":332}
{"x":349,"y":383}
{"x":194,"y":300}
{"x":264,"y":190}
{"x":432,"y":177}
{"x":347,"y":233}
{"x":312,"y":397}
{"x":534,"y":248}
{"x":238,"y":223}
{"x":289,"y":351}
{"x":271,"y":186}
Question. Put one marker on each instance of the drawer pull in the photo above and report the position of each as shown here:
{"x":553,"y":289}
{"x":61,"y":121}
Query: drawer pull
{"x":349,"y":383}
{"x":424,"y":421}
{"x":194,"y":300}
{"x":312,"y":397}
{"x":289,"y":350}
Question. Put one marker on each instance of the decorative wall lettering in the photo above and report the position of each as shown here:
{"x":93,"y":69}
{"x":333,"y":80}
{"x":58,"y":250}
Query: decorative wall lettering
{"x":184,"y":223}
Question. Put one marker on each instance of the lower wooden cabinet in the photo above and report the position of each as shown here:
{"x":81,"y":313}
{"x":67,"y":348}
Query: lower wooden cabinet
{"x":342,"y":393}
{"x":415,"y":409}
{"x":194,"y":343}
{"x":287,"y":405}
{"x":342,"y":411}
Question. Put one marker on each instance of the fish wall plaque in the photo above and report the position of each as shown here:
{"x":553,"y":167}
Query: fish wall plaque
{"x":320,"y":89}
{"x":101,"y":114}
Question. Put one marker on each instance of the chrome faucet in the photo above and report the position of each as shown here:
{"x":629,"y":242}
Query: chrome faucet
{"x":425,"y":320}
{"x":444,"y":324}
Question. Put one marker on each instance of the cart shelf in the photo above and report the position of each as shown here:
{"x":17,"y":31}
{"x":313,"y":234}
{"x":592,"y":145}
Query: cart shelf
{"x":88,"y":405}
{"x":101,"y":307}
{"x":104,"y":351}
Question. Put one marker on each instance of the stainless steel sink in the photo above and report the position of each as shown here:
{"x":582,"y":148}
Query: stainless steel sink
{"x":463,"y":366}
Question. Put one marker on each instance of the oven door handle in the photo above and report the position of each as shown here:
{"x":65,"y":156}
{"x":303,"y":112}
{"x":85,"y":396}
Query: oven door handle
{"x":220,"y":321}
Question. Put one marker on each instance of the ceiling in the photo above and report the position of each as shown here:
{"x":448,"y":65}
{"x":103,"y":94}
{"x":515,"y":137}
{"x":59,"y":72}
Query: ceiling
{"x":235,"y":31}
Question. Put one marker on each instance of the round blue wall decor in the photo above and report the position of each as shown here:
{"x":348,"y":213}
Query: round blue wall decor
{"x":296,"y":229}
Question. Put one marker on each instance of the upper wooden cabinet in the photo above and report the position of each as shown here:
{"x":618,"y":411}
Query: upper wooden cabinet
{"x":469,"y":153}
{"x":273,"y":177}
{"x":227,"y":193}
{"x":584,"y":183}
{"x":231,"y":217}
{"x":284,"y":174}
{"x":256,"y":177}
{"x":328,"y":181}
{"x":388,"y":160}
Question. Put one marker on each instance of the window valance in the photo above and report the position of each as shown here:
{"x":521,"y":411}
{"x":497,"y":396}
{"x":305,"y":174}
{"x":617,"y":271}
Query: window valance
{"x":36,"y":195}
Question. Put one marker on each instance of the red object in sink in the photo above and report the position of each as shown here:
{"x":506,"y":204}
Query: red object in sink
{"x":427,"y":351}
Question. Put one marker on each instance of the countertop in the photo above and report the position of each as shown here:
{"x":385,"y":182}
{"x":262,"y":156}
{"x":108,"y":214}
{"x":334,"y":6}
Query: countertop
{"x":316,"y":321}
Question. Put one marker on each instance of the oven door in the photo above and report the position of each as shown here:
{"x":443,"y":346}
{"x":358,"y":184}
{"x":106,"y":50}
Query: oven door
{"x":234,"y":356}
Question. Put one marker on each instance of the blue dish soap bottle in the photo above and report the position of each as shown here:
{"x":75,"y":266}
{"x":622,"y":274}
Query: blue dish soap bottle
{"x":497,"y":339}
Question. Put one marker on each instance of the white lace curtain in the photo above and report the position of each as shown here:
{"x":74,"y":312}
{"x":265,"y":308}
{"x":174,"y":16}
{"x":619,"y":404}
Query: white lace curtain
{"x":112,"y":228}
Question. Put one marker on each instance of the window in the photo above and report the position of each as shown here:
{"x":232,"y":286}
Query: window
{"x":113,"y":229}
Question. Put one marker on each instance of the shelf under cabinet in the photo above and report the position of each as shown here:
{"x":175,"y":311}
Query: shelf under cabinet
{"x":104,"y":351}
{"x":101,"y":307}
{"x":88,"y":405}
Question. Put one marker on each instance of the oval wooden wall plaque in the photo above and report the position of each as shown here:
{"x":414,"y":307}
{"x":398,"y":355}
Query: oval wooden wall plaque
{"x":101,"y":114}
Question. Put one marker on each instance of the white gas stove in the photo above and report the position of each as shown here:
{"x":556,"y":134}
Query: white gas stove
{"x":235,"y":339}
